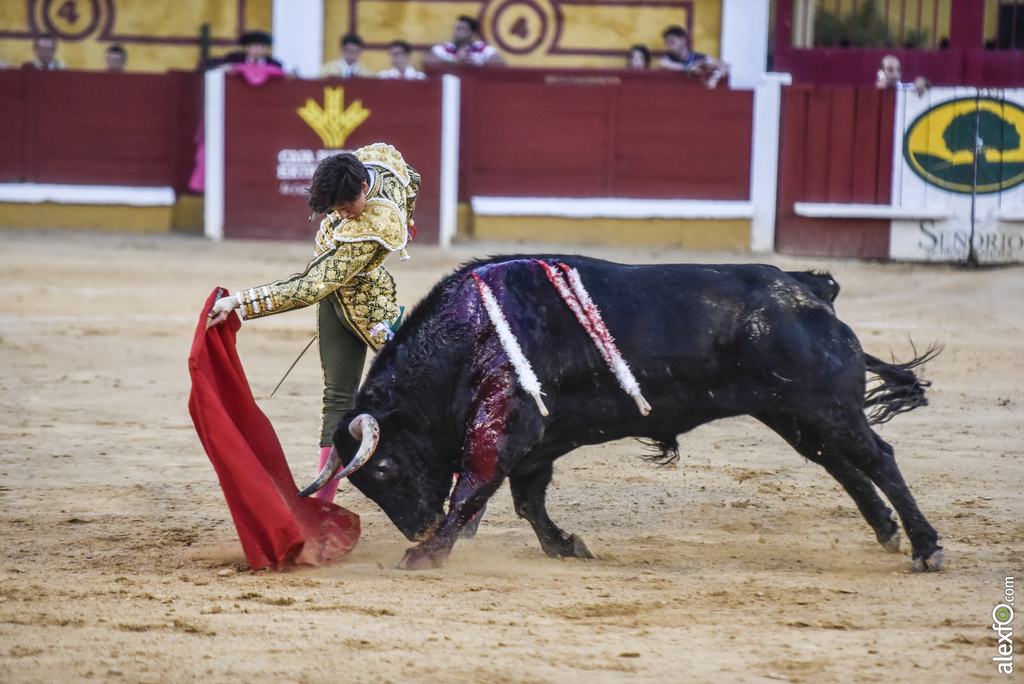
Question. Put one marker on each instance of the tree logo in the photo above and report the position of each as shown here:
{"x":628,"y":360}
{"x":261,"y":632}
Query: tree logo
{"x":940,"y":146}
{"x":333,"y":122}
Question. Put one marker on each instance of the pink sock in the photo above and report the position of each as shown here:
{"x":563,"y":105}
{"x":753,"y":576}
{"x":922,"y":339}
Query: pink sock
{"x":331,"y":488}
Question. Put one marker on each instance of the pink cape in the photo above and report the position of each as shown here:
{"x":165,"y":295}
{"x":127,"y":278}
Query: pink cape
{"x":278,"y":530}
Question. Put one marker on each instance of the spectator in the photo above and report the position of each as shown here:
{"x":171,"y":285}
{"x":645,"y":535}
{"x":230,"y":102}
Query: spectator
{"x":679,"y":57}
{"x":466,"y":48}
{"x":256,"y":49}
{"x":638,"y":57}
{"x":116,"y":57}
{"x":399,"y":52}
{"x":255,"y":52}
{"x":890,"y":73}
{"x":45,"y":48}
{"x":256,"y":66}
{"x":348,"y":64}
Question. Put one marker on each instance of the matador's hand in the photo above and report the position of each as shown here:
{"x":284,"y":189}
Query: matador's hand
{"x":221,"y":308}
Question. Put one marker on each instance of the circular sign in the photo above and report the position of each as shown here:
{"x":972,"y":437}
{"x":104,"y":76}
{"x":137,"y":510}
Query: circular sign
{"x":519,"y":27}
{"x":940,"y":146}
{"x":70,"y":20}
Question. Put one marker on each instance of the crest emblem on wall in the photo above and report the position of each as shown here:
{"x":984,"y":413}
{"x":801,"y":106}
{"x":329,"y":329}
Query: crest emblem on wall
{"x":968,"y":145}
{"x":333,"y":122}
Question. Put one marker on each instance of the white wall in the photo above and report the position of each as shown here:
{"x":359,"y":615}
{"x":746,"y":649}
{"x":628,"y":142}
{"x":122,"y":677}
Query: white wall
{"x":745,"y":41}
{"x":299,"y":35}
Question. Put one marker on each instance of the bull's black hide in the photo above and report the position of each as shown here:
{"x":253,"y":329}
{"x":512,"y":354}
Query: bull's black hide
{"x":703,"y":341}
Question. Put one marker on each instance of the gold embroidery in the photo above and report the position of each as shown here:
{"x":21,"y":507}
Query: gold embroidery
{"x":383,"y":154}
{"x":323,"y":275}
{"x":350,"y":254}
{"x":380,"y":221}
{"x":389,"y":204}
{"x":367,"y":301}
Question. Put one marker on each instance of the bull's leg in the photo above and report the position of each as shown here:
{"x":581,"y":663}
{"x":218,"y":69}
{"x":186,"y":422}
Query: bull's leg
{"x":529,"y":486}
{"x":860,"y":488}
{"x":879,"y":462}
{"x":469,"y":498}
{"x":470,"y":530}
{"x":856,"y":483}
{"x":865,"y":451}
{"x":484,"y":464}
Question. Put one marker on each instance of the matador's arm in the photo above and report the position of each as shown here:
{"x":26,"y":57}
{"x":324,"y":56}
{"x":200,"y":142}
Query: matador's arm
{"x":324,"y":275}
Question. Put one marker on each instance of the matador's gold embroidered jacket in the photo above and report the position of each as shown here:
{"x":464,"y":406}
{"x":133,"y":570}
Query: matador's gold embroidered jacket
{"x":350,"y":254}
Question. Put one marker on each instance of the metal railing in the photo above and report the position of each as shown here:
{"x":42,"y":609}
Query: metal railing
{"x":908,"y":24}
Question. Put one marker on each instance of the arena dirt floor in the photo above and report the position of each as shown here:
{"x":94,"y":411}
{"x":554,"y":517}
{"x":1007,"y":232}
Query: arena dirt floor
{"x":741,"y":563}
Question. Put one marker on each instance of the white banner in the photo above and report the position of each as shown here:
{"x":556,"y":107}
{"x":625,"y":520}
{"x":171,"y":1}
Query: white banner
{"x":961,"y":150}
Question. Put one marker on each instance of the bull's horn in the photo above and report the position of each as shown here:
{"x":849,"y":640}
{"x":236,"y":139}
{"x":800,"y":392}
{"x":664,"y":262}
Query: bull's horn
{"x":332,"y":466}
{"x":363,"y":427}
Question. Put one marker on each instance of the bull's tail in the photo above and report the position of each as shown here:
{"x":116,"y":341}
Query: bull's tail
{"x":895,"y":387}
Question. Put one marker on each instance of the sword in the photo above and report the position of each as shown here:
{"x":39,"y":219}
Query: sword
{"x":308,"y":344}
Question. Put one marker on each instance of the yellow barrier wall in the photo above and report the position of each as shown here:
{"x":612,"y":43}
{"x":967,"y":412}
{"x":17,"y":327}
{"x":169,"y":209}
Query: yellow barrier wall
{"x":164,"y":34}
{"x":604,"y":232}
{"x":158,"y":34}
{"x":115,"y":218}
{"x":552,"y":33}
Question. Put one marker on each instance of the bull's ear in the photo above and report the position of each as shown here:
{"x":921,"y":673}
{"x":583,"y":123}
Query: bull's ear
{"x":391,"y":417}
{"x":343,"y":438}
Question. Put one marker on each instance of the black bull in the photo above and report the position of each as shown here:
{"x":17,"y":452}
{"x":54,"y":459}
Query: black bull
{"x":703,"y":342}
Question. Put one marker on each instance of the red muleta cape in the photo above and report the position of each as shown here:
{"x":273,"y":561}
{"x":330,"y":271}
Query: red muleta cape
{"x":278,"y":530}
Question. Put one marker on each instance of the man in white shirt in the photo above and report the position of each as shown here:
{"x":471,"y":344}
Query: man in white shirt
{"x":44,"y":46}
{"x":348,"y":64}
{"x":466,"y":48}
{"x":399,"y":52}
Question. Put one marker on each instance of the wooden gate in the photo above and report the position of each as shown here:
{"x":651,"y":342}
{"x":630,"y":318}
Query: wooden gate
{"x":835,"y":146}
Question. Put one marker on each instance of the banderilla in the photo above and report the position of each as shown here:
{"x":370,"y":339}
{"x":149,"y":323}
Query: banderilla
{"x":304,"y":349}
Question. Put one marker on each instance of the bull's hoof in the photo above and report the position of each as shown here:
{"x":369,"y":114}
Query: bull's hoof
{"x":417,"y":559}
{"x":892,"y":543}
{"x":579,"y":548}
{"x":932,"y":563}
{"x":567,"y":546}
{"x":890,"y":540}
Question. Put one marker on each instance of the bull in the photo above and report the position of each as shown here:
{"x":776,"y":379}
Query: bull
{"x":512,"y":362}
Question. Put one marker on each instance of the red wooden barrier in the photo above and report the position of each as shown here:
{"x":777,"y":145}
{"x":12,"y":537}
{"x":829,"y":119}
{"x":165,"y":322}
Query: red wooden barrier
{"x":964,"y":61}
{"x":98,"y":128}
{"x":848,"y":66}
{"x":261,"y":122}
{"x":858,"y":66}
{"x":835,"y":146}
{"x":544,"y":133}
{"x":13,"y":120}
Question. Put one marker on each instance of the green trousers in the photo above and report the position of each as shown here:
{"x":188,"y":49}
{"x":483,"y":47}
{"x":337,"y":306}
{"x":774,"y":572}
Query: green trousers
{"x":342,"y":355}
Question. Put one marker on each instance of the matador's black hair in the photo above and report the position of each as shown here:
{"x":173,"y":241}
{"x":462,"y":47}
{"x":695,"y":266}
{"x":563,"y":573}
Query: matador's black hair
{"x":337,"y":180}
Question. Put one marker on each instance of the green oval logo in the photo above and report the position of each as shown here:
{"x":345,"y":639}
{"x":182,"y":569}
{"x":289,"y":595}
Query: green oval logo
{"x":940,"y":145}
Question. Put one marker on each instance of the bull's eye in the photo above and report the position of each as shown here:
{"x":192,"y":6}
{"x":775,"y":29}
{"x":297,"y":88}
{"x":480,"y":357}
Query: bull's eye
{"x":382,"y":470}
